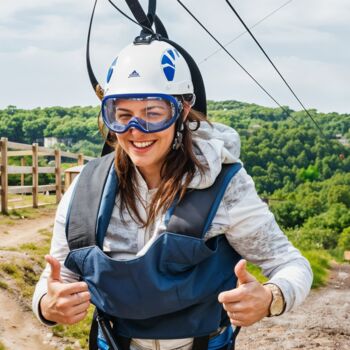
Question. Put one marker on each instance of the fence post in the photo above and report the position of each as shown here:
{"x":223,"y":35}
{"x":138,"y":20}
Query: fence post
{"x":35,"y":175}
{"x":23,"y":163}
{"x":80,"y":159}
{"x":4,"y":176}
{"x":58,"y":175}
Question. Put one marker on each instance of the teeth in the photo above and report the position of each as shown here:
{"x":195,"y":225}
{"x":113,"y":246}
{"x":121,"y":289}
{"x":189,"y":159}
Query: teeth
{"x":142,"y":144}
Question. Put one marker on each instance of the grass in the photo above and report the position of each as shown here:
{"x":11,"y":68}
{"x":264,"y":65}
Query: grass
{"x":256,"y":272}
{"x":79,"y":331}
{"x":338,"y":254}
{"x":16,"y":215}
{"x":2,"y":346}
{"x":16,"y":200}
{"x":320,"y":264}
{"x":25,"y":273}
{"x":3,"y":285}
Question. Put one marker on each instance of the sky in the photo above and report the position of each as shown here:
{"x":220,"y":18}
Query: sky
{"x":43,"y":43}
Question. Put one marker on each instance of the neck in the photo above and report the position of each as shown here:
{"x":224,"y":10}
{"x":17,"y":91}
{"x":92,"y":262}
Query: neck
{"x":151,"y":177}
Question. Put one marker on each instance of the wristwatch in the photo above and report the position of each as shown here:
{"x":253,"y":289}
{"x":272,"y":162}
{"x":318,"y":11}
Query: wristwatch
{"x":278,"y":303}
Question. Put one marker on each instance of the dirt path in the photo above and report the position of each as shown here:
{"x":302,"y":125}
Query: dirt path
{"x":25,"y":230}
{"x":18,"y":328}
{"x":321,"y":322}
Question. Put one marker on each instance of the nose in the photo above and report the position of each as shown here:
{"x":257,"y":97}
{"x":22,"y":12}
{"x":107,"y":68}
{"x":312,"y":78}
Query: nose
{"x":135,"y":131}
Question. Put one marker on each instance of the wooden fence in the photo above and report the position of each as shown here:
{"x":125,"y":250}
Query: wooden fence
{"x":14,"y":149}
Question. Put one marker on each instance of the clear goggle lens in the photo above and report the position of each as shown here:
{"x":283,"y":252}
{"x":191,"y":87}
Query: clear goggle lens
{"x":146,"y":113}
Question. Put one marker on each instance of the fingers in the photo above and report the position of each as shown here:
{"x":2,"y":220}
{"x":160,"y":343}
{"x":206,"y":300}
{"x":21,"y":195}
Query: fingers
{"x":72,"y":317}
{"x":236,"y":321}
{"x":231,"y":296}
{"x":235,"y":307}
{"x":78,"y":309}
{"x":80,"y":298}
{"x":72,"y":309}
{"x":55,"y":265}
{"x":65,"y":303}
{"x":73,"y":288}
{"x":240,"y":315}
{"x":75,"y":319}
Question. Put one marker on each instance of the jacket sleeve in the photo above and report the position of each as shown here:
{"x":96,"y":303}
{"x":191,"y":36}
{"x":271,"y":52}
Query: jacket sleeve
{"x":254,"y":233}
{"x":59,"y":250}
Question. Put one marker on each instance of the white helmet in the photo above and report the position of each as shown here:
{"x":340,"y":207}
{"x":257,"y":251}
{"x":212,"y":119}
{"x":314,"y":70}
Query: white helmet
{"x":151,"y":68}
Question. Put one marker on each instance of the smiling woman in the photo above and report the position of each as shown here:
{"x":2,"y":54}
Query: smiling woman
{"x":153,"y":233}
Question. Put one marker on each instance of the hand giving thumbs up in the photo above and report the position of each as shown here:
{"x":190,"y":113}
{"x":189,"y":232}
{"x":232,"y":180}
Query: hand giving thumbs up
{"x":65,"y":303}
{"x":249,"y":302}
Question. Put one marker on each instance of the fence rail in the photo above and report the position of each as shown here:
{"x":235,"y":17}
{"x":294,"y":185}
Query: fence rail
{"x":35,"y":151}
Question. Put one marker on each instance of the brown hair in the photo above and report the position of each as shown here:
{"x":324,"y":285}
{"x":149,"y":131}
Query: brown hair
{"x":177,"y":172}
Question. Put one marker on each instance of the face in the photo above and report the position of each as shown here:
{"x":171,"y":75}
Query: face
{"x":146,"y":150}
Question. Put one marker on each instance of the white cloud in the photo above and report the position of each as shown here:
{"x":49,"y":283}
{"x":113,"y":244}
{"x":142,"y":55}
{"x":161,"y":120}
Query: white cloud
{"x":44,"y":41}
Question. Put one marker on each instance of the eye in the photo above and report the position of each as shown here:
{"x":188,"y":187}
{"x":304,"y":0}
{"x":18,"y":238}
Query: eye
{"x":123,"y":116}
{"x":153,"y":114}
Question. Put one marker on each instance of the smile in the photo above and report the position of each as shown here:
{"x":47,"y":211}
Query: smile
{"x":143,"y":144}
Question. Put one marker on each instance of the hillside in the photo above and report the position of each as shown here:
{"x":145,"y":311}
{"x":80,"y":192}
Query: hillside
{"x":304,"y":175}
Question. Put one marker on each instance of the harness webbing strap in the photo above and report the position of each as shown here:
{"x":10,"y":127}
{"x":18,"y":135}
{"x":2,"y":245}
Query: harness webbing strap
{"x":139,"y":14}
{"x":152,"y":6}
{"x":234,"y":336}
{"x":93,"y":332}
{"x":193,"y":215}
{"x":97,"y":88}
{"x":200,"y":343}
{"x":82,"y":232}
{"x":160,"y":29}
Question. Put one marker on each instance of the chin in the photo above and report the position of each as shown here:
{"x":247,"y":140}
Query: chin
{"x":141,"y":162}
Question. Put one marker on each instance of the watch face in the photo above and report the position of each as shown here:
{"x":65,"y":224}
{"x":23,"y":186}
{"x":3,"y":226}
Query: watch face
{"x":276,"y":306}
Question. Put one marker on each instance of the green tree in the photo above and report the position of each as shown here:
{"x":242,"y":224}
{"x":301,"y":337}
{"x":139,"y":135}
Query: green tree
{"x":339,"y":194}
{"x":344,"y":239}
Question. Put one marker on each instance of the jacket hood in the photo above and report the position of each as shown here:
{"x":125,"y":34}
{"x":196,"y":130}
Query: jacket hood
{"x":213,"y":146}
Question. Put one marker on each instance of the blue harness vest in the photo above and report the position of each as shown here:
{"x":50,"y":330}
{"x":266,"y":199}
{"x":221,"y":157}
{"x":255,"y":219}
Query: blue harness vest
{"x":171,"y":291}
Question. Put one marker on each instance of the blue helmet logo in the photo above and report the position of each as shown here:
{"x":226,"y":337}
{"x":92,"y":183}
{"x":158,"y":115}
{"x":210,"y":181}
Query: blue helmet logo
{"x":111,"y":69}
{"x":168,"y":63}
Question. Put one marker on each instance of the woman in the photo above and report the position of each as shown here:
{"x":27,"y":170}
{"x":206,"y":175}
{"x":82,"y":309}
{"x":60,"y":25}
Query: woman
{"x":160,"y":284}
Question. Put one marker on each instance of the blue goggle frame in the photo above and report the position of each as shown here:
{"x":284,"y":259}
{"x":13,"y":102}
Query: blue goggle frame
{"x":136,"y":122}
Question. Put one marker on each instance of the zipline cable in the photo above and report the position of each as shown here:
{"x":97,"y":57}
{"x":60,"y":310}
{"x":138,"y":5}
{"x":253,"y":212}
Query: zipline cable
{"x":241,"y":34}
{"x":239,"y":64}
{"x":128,"y":17}
{"x":276,"y":69}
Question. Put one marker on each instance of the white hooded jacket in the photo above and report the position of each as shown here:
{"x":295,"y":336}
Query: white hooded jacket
{"x":242,"y":216}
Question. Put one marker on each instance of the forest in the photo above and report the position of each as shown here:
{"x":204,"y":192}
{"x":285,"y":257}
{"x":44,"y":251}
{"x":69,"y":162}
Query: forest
{"x":302,"y":172}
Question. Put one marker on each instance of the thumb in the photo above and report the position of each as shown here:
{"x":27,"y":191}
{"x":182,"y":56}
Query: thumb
{"x":242,"y":274}
{"x":55,"y":265}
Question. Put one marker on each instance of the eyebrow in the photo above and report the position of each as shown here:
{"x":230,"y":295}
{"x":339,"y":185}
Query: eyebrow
{"x":147,"y":108}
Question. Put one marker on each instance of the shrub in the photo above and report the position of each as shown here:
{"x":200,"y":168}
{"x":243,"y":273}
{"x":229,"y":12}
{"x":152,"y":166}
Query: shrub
{"x":344,"y":239}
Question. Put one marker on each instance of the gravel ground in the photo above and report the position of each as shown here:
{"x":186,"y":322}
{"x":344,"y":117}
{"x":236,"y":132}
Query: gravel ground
{"x":321,"y":322}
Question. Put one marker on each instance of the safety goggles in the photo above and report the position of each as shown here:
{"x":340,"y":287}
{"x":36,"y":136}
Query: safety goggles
{"x":147,"y":113}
